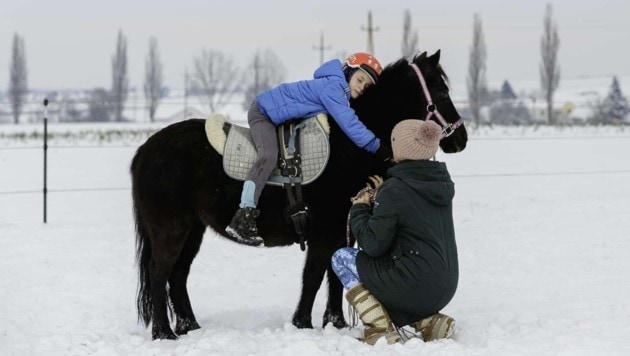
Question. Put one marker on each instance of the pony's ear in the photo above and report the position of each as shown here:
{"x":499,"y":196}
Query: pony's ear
{"x":435,"y":58}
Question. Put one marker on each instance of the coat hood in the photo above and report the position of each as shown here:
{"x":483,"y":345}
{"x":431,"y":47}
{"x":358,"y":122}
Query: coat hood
{"x":332,"y":68}
{"x":429,"y":178}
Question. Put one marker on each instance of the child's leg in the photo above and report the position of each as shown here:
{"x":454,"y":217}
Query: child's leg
{"x":344,"y":263}
{"x":263,"y":133}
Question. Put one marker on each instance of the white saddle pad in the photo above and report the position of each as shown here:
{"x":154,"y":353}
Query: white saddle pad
{"x":240,"y":153}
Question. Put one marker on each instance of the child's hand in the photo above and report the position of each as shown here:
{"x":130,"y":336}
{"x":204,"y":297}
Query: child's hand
{"x":384,"y":152}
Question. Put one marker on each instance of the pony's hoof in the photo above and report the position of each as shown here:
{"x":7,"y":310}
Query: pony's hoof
{"x":164,"y":335}
{"x":184,"y":327}
{"x":302,"y":323}
{"x":336,"y":320}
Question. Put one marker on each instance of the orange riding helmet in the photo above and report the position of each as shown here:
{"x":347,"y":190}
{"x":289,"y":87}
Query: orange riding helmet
{"x":365,"y":62}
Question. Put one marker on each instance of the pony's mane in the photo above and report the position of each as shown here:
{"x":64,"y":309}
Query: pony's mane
{"x":419,"y":59}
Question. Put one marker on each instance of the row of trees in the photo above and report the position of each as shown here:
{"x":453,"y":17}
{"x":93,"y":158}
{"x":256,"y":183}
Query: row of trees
{"x":613,"y":109}
{"x":104,"y":104}
{"x":549,"y":68}
{"x":216,"y":78}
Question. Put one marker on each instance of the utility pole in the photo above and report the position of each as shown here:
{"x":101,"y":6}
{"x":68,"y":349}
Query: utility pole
{"x":257,"y":73}
{"x":370,"y":30}
{"x":321,"y":48}
{"x":186,"y":94}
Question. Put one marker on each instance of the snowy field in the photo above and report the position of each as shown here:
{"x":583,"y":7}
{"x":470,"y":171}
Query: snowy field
{"x":542,"y":224}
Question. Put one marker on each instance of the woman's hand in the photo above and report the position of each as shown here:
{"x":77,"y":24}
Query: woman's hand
{"x":363,"y":197}
{"x":377,"y":181}
{"x":366,"y":195}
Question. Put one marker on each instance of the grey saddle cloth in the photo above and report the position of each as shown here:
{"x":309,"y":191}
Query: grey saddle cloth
{"x":240,"y":153}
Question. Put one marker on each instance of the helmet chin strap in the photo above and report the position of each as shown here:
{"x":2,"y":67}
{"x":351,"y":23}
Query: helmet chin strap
{"x":447,"y":129}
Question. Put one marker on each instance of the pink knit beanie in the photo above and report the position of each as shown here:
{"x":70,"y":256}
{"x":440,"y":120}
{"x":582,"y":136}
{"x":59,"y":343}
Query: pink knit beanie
{"x":415,"y":139}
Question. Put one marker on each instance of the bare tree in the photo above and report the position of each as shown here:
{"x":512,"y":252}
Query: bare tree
{"x":476,"y":81}
{"x":216,"y":77}
{"x":549,"y":69}
{"x":153,"y":78}
{"x":265,"y":71}
{"x":18,"y":82}
{"x":410,"y":37}
{"x":120,"y":80}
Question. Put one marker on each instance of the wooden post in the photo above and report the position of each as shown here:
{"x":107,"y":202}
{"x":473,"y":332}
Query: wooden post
{"x":45,"y":155}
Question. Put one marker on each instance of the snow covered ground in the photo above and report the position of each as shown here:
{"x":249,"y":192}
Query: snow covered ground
{"x":542,"y":228}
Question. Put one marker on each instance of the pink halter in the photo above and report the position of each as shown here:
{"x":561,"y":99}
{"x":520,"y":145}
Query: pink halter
{"x":447,"y":129}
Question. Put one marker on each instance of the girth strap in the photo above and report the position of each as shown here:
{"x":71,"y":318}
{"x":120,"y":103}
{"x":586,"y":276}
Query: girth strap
{"x":289,"y":163}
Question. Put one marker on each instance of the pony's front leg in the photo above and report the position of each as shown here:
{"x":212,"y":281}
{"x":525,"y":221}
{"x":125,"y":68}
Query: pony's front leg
{"x":334,"y":306}
{"x":312,"y":277}
{"x":316,"y":265}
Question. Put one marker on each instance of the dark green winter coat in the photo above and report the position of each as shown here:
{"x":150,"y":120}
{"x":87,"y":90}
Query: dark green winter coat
{"x":408,"y":258}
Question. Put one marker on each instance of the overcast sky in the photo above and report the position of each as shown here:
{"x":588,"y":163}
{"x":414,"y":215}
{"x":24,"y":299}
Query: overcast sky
{"x":69,"y":43}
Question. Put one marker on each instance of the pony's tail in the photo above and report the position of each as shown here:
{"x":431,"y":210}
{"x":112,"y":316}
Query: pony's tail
{"x":143,"y":259}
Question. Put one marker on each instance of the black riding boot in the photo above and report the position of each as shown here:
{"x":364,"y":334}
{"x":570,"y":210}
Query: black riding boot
{"x":243,"y":227}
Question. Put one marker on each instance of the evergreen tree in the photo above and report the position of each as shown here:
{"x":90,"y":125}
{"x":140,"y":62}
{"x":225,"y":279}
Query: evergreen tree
{"x":507,"y":92}
{"x":615,"y":106}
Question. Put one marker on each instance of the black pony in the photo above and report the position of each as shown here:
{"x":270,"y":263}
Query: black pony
{"x":180,"y":189}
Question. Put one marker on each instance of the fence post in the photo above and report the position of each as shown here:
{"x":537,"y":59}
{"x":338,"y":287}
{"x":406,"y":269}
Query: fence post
{"x":45,"y":154}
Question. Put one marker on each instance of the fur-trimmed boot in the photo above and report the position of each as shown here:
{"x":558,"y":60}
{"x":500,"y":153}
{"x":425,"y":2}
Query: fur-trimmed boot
{"x":434,"y":327}
{"x":373,"y":315}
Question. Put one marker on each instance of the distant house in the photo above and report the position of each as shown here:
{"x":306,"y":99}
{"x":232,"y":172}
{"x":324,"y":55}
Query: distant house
{"x":506,"y":108}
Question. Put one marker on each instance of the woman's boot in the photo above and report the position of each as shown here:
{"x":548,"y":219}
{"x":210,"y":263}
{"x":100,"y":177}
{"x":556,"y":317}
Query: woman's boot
{"x":373,"y":315}
{"x":436,"y":326}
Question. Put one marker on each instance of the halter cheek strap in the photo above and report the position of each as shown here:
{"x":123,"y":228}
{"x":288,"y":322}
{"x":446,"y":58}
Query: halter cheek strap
{"x":447,"y":128}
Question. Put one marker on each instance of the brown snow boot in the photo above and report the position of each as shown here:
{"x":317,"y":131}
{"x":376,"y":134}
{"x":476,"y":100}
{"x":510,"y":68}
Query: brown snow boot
{"x":373,"y":315}
{"x":434,"y":327}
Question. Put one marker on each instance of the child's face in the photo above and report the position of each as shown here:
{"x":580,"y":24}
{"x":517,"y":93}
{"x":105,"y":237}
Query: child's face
{"x":358,"y":83}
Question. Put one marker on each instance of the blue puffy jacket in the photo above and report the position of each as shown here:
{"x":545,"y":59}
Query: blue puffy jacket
{"x":327,"y":93}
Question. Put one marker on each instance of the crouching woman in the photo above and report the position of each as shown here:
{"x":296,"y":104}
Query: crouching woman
{"x":406,"y":268}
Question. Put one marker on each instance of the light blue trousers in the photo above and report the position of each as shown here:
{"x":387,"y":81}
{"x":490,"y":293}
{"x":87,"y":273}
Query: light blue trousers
{"x":344,"y":263}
